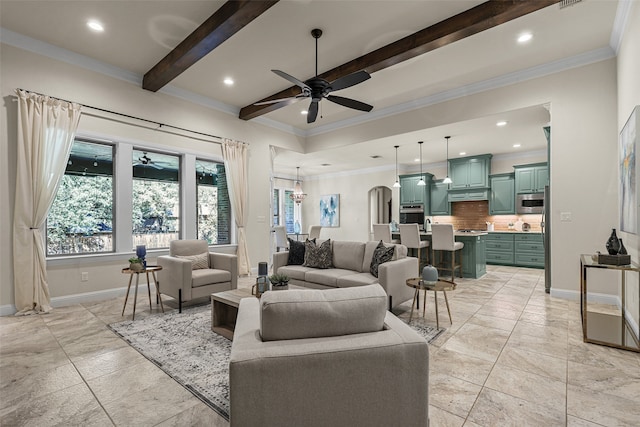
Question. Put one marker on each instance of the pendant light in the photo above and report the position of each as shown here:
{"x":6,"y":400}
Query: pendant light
{"x":397,"y":184}
{"x":297,"y":195}
{"x":447,"y":180}
{"x":421,"y":183}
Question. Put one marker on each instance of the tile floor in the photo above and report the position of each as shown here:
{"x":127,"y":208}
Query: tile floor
{"x":513,"y":356}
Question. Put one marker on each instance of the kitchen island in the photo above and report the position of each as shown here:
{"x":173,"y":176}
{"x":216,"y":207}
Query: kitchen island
{"x":474,"y":261}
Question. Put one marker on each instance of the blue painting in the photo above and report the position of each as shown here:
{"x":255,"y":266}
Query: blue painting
{"x":628,"y":171}
{"x":330,"y":210}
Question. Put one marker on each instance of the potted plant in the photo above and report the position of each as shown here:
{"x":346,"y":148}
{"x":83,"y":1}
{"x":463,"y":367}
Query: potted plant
{"x":135,"y":264}
{"x":279,"y":282}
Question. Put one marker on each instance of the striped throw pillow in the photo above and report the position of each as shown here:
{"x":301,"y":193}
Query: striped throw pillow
{"x":198,"y":262}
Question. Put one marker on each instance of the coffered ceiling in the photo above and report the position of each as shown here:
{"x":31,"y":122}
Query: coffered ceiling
{"x":139,"y":34}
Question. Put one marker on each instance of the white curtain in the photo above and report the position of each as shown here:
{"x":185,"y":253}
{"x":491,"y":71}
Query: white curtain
{"x":234,"y":154}
{"x":46,"y":129}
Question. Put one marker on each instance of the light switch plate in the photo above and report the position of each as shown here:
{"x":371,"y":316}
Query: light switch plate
{"x":565,"y":216}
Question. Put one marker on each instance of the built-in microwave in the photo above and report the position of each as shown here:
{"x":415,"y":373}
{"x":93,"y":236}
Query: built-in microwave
{"x":412,"y":214}
{"x":530,"y":203}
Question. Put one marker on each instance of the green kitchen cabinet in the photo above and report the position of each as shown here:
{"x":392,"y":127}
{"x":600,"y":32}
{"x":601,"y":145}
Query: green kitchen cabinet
{"x":439,"y":199}
{"x":411,"y":193}
{"x":502,"y":199}
{"x":531,"y":178}
{"x":467,"y":195}
{"x":470,"y":172}
{"x":500,"y":248}
{"x":529,"y":250}
{"x":474,"y":261}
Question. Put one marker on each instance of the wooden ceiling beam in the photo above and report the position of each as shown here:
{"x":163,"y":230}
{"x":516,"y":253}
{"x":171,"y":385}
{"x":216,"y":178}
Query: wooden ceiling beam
{"x":230,"y":18}
{"x":482,"y":17}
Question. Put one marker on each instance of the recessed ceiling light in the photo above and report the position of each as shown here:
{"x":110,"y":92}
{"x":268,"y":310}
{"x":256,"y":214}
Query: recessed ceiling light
{"x":95,"y":26}
{"x":501,"y":123}
{"x":516,"y":145}
{"x":375,"y":156}
{"x":228,"y":81}
{"x":325,"y":164}
{"x":304,"y":112}
{"x":462,"y":153}
{"x":416,"y":160}
{"x":524,"y":37}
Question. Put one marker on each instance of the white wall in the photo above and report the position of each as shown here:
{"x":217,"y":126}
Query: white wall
{"x":628,"y":98}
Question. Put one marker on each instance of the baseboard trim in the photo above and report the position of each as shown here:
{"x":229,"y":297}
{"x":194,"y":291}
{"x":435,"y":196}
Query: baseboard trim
{"x":10,"y":309}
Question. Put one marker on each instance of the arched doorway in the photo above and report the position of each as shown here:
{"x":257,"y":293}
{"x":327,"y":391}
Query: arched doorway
{"x":379,"y":206}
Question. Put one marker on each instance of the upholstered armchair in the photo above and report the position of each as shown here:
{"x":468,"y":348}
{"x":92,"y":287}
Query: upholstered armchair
{"x":331,"y":357}
{"x":190,"y":271}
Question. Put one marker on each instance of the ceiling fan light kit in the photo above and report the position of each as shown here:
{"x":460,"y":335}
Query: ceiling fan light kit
{"x":318,"y":88}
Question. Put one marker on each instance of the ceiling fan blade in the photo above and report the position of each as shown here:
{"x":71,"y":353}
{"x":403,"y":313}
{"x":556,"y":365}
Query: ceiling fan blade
{"x":275,"y":101}
{"x":313,"y":112}
{"x":351,"y":103}
{"x":350,"y":80}
{"x":291,"y":79}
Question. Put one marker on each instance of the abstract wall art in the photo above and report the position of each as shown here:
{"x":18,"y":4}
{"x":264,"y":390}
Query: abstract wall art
{"x":330,"y":210}
{"x":629,"y":174}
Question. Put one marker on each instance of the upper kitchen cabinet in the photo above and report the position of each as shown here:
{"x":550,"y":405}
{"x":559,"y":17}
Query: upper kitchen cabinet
{"x":439,"y":199}
{"x":502,"y":199}
{"x":470,"y":172}
{"x":531,"y":178}
{"x":413,"y":194}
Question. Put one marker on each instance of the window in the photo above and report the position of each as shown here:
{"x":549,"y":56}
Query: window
{"x":214,"y":208}
{"x":81,"y":217}
{"x":289,"y":211}
{"x":282,"y":204}
{"x":156,"y":199}
{"x":276,"y":207}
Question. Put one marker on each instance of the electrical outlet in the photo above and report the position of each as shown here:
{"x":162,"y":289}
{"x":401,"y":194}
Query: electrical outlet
{"x":565,"y":216}
{"x":84,"y":276}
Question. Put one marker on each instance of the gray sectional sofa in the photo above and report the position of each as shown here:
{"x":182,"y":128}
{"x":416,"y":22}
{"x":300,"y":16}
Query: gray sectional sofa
{"x":351,"y":264}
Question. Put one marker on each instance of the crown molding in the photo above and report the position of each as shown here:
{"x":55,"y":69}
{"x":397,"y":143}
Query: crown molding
{"x":620,"y":24}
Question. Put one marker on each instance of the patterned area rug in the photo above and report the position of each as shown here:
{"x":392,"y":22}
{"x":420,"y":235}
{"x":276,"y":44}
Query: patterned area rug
{"x":185,"y":348}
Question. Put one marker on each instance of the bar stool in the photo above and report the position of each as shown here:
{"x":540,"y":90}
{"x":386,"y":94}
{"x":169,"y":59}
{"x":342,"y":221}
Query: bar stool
{"x":383,"y":232}
{"x":410,"y":237}
{"x":314,"y":232}
{"x":443,"y":240}
{"x":281,"y":238}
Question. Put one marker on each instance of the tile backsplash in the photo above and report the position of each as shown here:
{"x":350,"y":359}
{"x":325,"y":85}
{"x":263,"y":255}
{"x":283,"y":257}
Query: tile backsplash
{"x":475,"y":215}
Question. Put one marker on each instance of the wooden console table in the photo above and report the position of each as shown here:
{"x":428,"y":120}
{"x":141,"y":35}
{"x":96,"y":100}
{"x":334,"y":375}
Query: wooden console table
{"x":615,"y":328}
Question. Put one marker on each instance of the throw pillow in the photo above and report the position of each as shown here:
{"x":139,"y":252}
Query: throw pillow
{"x":296,"y":252}
{"x":317,"y":256}
{"x":198,"y":262}
{"x":381,"y":255}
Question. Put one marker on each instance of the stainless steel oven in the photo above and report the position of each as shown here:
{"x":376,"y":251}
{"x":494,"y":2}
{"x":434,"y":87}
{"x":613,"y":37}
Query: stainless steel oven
{"x":530,"y":203}
{"x":412,"y":214}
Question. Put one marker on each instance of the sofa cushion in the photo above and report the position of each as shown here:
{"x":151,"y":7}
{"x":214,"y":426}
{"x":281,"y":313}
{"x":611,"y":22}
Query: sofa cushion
{"x":296,"y":252}
{"x":198,"y":261}
{"x":296,"y":314}
{"x":360,"y":279}
{"x":317,"y":256}
{"x":294,"y":271}
{"x":348,"y":255}
{"x":327,"y":277}
{"x":381,"y":255}
{"x":208,"y":276}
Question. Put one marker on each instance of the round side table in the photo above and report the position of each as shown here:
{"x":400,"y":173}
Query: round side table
{"x":420,"y":285}
{"x":150,"y":269}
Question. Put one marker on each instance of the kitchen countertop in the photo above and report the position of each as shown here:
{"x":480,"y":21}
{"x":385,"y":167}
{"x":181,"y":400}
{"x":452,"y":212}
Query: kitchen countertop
{"x":456,"y":233}
{"x":515,"y":231}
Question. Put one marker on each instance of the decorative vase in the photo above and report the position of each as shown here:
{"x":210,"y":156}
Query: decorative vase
{"x":622,"y":250}
{"x":296,"y":227}
{"x":613,"y":243}
{"x":430,"y":274}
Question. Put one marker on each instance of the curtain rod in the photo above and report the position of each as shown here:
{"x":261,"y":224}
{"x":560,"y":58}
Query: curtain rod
{"x":160,"y":125}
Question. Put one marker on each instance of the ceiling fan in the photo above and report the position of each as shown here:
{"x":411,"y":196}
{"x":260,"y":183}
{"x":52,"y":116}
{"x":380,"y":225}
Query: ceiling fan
{"x":317,"y":88}
{"x":146,"y":161}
